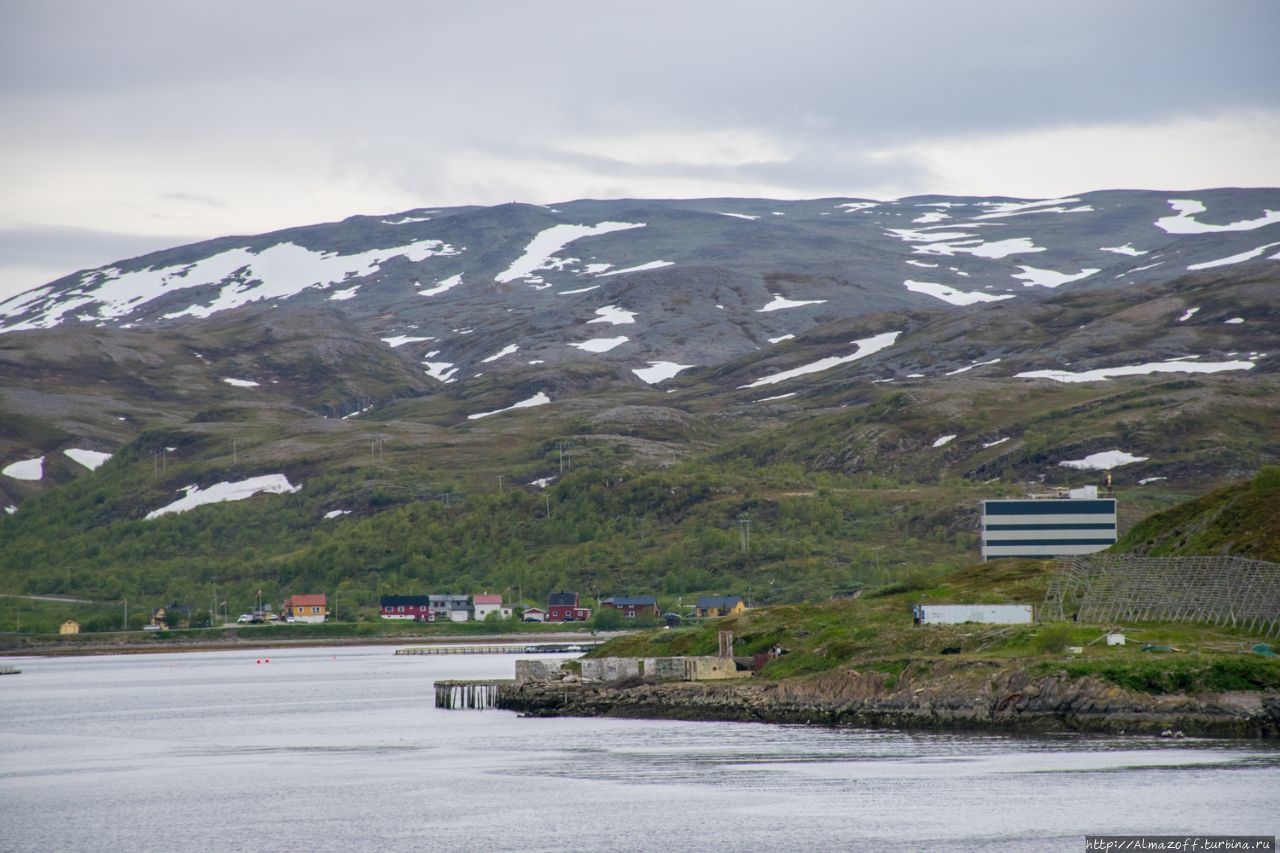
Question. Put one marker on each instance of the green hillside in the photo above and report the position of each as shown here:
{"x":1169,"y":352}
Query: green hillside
{"x":1241,"y":520}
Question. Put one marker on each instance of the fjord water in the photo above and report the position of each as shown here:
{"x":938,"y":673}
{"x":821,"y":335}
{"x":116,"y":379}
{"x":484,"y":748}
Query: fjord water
{"x":342,"y":749}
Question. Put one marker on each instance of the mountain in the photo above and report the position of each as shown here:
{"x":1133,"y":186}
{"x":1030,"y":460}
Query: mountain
{"x":936,"y":349}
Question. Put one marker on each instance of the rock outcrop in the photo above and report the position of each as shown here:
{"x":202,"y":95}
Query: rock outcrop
{"x":972,"y":696}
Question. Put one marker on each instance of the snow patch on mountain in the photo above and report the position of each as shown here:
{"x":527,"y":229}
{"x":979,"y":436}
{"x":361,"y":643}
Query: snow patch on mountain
{"x":746,"y":216}
{"x":194,"y":496}
{"x":1191,"y":312}
{"x":1002,"y":209}
{"x":1170,"y":366}
{"x":1126,"y":249}
{"x":969,"y":367}
{"x":441,"y":371}
{"x":240,"y":383}
{"x":601,"y":344}
{"x":944,"y":440}
{"x":441,"y":286}
{"x":401,"y":340}
{"x":1184,"y":221}
{"x":242,"y":276}
{"x":509,"y":349}
{"x":91,"y":459}
{"x":539,"y":399}
{"x":539,"y":253}
{"x":951,"y":295}
{"x":1035,"y":277}
{"x":615,"y":315}
{"x":1234,"y":259}
{"x":1104,"y":461}
{"x":652,"y":265}
{"x":25,"y":469}
{"x":658,"y":371}
{"x":865,"y":347}
{"x":781,"y":302}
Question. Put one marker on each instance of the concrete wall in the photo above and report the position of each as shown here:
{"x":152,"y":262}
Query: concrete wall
{"x":538,"y":670}
{"x":610,"y":669}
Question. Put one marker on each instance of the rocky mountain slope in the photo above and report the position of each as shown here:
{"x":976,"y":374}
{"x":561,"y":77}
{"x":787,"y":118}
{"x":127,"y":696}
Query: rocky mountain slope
{"x":926,"y":342}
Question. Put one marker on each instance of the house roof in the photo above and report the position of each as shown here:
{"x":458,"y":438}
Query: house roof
{"x":719,"y":602}
{"x":632,"y":601}
{"x":404,"y":601}
{"x":570,"y":598}
{"x":306,"y":600}
{"x":487,"y":599}
{"x":534,"y":610}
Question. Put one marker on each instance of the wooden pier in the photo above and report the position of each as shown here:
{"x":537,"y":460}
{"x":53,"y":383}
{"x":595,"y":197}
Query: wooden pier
{"x":501,"y":649}
{"x":468,"y":695}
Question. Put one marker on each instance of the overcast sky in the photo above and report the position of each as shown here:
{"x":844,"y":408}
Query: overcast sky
{"x":134,"y":125}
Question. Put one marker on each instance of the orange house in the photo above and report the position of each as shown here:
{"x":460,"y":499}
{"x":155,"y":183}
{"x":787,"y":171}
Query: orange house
{"x":306,"y":608}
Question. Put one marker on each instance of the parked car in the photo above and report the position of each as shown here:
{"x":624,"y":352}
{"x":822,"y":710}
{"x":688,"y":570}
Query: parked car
{"x":245,"y":617}
{"x":152,"y":627}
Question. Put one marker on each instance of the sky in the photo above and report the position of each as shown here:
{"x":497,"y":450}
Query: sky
{"x":137,"y":125}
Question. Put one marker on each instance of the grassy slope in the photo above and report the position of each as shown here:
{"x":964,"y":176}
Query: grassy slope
{"x":877,"y":632}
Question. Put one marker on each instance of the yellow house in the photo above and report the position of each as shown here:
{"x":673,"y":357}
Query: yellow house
{"x":307,"y":608}
{"x":71,"y":626}
{"x":720,"y":605}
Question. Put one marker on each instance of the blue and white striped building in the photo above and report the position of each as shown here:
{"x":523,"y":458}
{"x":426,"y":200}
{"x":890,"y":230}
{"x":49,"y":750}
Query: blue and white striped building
{"x":1047,"y":527}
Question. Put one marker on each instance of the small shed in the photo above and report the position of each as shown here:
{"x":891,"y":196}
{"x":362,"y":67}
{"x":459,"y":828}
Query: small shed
{"x":71,"y":626}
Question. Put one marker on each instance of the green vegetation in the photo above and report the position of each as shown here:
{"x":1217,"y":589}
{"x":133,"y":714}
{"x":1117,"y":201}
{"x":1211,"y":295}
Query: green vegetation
{"x":877,"y":633}
{"x":1243,"y":519}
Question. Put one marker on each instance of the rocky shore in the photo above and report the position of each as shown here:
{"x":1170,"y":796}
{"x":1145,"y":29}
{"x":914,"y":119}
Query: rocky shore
{"x":970,"y":696}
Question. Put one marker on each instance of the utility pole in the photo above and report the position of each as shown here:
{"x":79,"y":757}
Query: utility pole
{"x":548,"y":500}
{"x":499,"y":484}
{"x":126,"y":614}
{"x":744,"y":530}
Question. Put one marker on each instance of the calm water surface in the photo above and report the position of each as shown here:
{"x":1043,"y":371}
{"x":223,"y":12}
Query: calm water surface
{"x":342,"y":749}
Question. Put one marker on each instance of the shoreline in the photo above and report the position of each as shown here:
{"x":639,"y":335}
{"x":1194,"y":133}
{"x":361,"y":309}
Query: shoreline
{"x":150,"y":645}
{"x":1005,"y":700}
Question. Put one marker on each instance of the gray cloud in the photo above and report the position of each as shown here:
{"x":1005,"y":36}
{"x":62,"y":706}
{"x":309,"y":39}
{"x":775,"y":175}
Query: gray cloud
{"x":197,"y":119}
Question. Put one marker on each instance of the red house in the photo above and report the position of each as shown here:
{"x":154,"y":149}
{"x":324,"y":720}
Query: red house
{"x":415,"y":607}
{"x":563,"y":607}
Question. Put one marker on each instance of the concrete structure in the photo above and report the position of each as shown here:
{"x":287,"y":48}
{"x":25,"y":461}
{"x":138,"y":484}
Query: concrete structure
{"x":484,"y":604}
{"x":1044,"y":527}
{"x":958,"y":614}
{"x":307,"y":608}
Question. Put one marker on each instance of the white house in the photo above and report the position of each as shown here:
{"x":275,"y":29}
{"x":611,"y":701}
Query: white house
{"x":483,"y":605}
